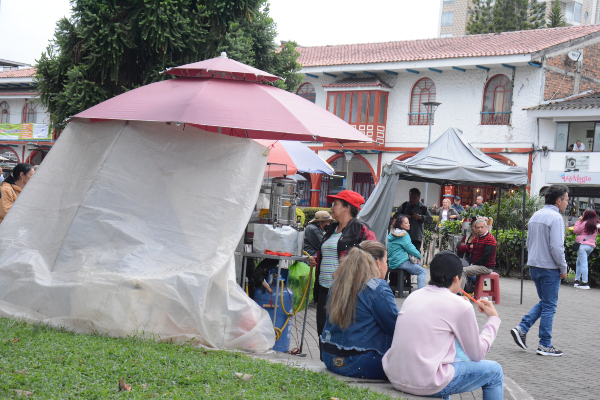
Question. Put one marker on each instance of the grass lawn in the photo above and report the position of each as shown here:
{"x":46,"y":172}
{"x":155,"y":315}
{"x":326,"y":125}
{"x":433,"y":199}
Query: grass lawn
{"x":47,"y":363}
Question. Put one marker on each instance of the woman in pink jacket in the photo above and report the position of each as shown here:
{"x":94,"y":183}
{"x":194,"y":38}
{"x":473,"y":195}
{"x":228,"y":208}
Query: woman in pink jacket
{"x":437,"y":349}
{"x":587,"y":230}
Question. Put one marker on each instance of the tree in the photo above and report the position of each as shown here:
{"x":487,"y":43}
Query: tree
{"x":489,"y":16}
{"x":556,"y":17}
{"x":111,"y":46}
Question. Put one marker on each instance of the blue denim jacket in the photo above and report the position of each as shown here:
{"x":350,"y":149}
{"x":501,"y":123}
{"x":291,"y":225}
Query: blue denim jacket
{"x":376,"y":314}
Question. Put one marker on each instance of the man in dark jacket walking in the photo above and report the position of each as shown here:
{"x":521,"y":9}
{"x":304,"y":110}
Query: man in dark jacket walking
{"x":418,"y":214}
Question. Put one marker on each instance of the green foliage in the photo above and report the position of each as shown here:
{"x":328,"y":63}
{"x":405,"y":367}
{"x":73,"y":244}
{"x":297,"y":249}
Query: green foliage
{"x":56,"y":364}
{"x":511,"y":209}
{"x":508,"y":254}
{"x":309,"y":213}
{"x":505,"y":16}
{"x":300,"y":213}
{"x":556,"y":17}
{"x":109,"y":47}
{"x":447,"y":229}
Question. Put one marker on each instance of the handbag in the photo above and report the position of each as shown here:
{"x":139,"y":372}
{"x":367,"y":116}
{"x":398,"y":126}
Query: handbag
{"x":577,"y":244}
{"x":414,"y":259}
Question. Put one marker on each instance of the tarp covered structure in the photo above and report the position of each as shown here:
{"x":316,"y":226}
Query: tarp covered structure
{"x":449,"y":160}
{"x":130,"y":228}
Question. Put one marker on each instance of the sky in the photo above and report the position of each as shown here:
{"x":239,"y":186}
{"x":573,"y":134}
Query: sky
{"x":27,"y":26}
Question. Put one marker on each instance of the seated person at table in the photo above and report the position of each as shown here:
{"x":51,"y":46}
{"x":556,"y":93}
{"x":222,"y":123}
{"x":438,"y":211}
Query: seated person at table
{"x":464,"y":250}
{"x":361,"y":314}
{"x":437,"y":349}
{"x":400,"y":246}
{"x":483,"y":252}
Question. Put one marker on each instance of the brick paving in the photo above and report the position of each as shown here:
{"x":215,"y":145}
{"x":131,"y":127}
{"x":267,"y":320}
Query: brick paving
{"x":572,"y":376}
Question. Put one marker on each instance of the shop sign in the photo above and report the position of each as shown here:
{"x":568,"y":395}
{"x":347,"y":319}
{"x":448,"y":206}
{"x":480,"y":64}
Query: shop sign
{"x":26,"y":132}
{"x":573,"y":177}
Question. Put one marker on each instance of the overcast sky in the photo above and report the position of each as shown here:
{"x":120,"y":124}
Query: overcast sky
{"x":26,"y":26}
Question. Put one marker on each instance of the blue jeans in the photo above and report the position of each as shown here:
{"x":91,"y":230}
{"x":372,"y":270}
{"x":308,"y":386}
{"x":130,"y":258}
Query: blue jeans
{"x":363,"y":366}
{"x":581,"y":270}
{"x":547,"y":283}
{"x":415,"y":269}
{"x":471,"y":375}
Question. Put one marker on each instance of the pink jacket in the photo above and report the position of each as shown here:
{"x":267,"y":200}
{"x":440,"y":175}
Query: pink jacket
{"x":420,"y":359}
{"x":581,"y":234}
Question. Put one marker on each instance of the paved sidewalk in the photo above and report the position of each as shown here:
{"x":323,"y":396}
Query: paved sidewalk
{"x":527,"y":375}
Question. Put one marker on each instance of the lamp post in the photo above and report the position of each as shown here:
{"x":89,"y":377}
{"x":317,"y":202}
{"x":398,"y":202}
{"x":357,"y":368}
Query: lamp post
{"x":431,"y":106}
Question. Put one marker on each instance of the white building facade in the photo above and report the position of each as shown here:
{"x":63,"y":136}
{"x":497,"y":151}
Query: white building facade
{"x":483,"y":82}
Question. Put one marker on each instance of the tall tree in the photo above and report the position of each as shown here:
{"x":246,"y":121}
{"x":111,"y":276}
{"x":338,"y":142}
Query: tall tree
{"x":556,"y":17}
{"x":111,"y":46}
{"x":489,"y":16}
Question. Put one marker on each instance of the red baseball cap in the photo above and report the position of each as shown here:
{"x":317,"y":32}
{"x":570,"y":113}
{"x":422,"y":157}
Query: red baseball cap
{"x":350,"y":196}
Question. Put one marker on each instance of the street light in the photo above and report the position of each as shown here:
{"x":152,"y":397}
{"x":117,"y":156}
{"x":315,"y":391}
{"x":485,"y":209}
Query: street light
{"x":431,"y":106}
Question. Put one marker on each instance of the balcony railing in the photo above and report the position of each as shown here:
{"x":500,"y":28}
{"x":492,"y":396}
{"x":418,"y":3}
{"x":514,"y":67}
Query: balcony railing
{"x":419,"y":119}
{"x":495,"y":118}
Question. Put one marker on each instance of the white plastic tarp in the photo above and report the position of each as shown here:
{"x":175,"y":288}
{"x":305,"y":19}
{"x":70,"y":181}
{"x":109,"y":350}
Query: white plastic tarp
{"x":130,"y":228}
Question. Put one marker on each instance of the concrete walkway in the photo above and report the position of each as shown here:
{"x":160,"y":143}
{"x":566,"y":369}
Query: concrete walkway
{"x":527,"y":375}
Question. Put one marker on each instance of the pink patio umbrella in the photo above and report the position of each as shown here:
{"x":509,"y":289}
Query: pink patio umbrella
{"x":297,"y":156}
{"x":225,"y":96}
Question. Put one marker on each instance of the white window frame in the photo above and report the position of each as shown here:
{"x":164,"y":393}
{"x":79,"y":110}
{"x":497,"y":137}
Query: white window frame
{"x":449,"y":19}
{"x":573,"y":12}
{"x":445,"y":35}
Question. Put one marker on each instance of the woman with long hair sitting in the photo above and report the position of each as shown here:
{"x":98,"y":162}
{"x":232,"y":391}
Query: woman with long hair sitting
{"x":587,"y":230}
{"x":400,"y":247}
{"x":361,"y":314}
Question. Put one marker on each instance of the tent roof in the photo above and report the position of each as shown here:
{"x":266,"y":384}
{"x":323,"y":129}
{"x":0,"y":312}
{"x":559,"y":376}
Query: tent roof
{"x":452,"y":160}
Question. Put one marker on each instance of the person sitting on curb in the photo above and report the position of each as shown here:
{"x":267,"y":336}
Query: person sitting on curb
{"x":314,"y":231}
{"x":361,"y":314}
{"x":399,"y":248}
{"x":437,"y":349}
{"x":483,"y":252}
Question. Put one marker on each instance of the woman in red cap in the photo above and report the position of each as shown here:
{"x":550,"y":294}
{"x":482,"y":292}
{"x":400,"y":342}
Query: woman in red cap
{"x":338,"y":239}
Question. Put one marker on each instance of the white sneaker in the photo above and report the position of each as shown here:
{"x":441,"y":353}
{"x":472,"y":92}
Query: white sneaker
{"x":583,"y":285}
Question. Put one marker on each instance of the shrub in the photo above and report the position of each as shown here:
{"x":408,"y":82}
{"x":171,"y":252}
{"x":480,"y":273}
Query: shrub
{"x":508,"y":254}
{"x":511,"y":209}
{"x":309,"y":213}
{"x":300,"y":213}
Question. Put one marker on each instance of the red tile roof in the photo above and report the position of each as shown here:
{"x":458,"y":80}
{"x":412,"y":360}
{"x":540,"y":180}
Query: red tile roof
{"x":20,"y":73}
{"x":18,"y":93}
{"x":356,"y":82}
{"x":494,"y":44}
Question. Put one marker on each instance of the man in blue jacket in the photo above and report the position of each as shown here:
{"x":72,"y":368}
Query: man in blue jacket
{"x":547,"y":266}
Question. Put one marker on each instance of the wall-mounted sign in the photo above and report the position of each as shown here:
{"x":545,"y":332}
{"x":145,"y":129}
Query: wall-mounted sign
{"x":26,"y":132}
{"x":577,"y":162}
{"x":573,"y":177}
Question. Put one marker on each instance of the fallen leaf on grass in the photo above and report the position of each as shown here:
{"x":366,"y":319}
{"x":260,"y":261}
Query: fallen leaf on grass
{"x":244,"y":377}
{"x":334,"y":398}
{"x":14,"y":340}
{"x":23,"y":393}
{"x":22,"y":372}
{"x":123,"y":385}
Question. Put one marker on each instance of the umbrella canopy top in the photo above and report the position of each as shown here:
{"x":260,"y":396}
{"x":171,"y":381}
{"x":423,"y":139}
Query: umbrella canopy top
{"x":297,"y":156}
{"x":235,"y":108}
{"x":450,"y":159}
{"x":222,"y":68}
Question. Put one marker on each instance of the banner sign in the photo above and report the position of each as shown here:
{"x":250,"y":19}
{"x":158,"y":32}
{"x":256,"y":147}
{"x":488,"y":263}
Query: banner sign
{"x":26,"y":132}
{"x":573,"y":177}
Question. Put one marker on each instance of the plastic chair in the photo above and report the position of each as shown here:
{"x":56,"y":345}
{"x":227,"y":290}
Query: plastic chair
{"x":403,"y":281}
{"x":494,"y":291}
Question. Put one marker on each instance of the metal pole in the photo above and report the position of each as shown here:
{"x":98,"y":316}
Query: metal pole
{"x":279,"y":264}
{"x":523,"y":240}
{"x":428,"y":143}
{"x":498,"y":214}
{"x":306,"y":308}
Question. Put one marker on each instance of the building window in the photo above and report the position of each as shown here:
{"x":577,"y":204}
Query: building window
{"x":573,"y":12}
{"x":307,"y":90}
{"x":423,"y":91}
{"x":568,"y":133}
{"x":445,"y":35}
{"x":4,"y":113}
{"x":448,"y":18}
{"x":497,"y":101}
{"x":448,"y":2}
{"x":29,"y":113}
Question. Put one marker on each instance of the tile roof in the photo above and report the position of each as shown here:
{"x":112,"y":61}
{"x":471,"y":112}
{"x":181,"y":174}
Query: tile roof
{"x":28,"y":93}
{"x":20,"y":73}
{"x":356,"y":82}
{"x":493,"y":44}
{"x":590,"y":99}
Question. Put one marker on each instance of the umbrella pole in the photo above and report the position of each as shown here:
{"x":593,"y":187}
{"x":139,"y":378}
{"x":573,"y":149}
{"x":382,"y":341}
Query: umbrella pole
{"x":523,"y":240}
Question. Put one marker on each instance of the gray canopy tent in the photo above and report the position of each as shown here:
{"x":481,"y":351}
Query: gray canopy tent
{"x":449,"y":160}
